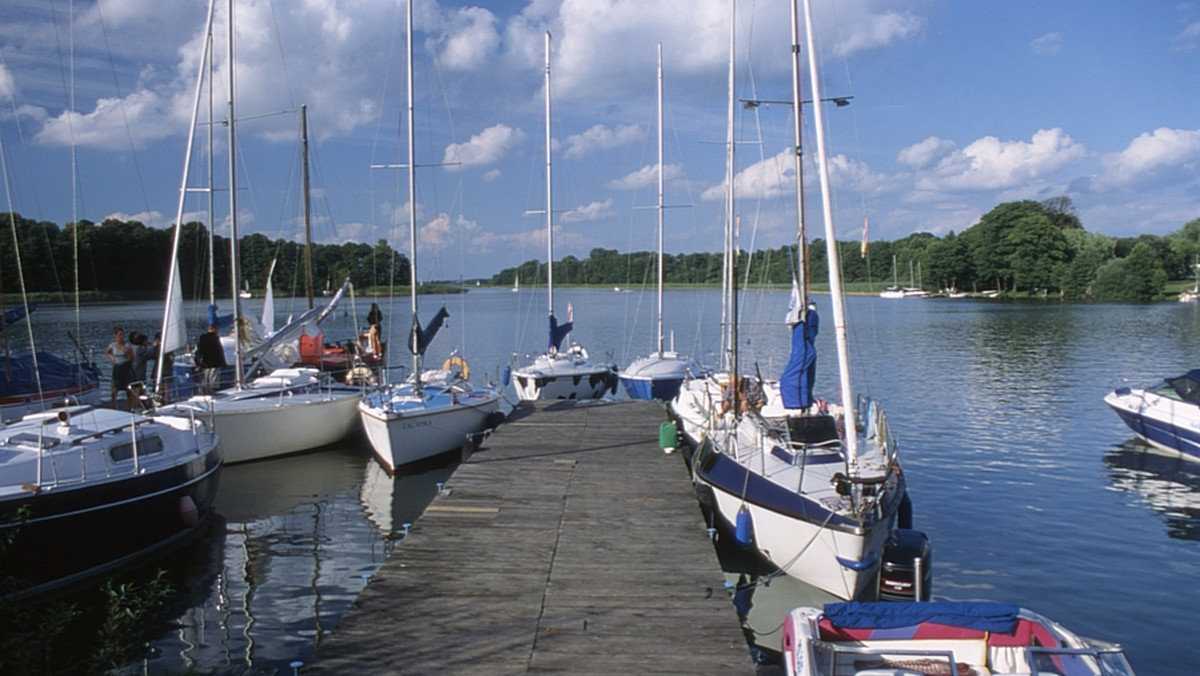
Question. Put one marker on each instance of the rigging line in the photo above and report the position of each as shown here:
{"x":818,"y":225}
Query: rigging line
{"x":282,"y":62}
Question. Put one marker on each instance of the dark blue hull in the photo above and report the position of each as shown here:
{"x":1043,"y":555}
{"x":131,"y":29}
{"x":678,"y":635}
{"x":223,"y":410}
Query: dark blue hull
{"x":1162,"y":433}
{"x":664,"y":389}
{"x":73,"y":535}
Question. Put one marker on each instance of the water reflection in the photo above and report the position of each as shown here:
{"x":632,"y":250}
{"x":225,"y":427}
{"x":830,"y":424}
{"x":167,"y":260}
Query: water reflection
{"x":1169,"y":483}
{"x":296,"y":540}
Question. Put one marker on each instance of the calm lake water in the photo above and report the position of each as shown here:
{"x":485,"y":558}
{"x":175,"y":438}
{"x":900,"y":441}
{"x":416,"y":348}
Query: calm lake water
{"x":1028,"y":486}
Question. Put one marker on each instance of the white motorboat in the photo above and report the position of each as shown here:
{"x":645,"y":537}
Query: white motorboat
{"x":559,"y":373}
{"x":433,"y":412}
{"x":87,"y":491}
{"x":1166,"y":414}
{"x":939,"y":637}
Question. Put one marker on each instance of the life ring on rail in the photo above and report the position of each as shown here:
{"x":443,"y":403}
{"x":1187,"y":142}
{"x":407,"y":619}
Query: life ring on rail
{"x":463,"y":368}
{"x":360,"y":375}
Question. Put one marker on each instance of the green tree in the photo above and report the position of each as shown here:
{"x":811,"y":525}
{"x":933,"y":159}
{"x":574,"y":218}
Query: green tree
{"x":1137,"y":277}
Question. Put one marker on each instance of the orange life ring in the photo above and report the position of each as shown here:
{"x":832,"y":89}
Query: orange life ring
{"x":463,"y":368}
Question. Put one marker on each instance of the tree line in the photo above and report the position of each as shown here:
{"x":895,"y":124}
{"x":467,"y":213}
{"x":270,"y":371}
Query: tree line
{"x":130,"y":260}
{"x":1024,"y":247}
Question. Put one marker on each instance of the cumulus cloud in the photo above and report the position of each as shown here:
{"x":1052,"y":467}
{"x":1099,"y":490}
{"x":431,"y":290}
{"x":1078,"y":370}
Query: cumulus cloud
{"x":1150,"y":155}
{"x":646,"y":176}
{"x":600,"y":137}
{"x":486,"y":147}
{"x":469,"y":40}
{"x":991,"y":164}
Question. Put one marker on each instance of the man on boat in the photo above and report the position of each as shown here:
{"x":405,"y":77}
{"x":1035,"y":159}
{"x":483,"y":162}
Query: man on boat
{"x":210,"y":357}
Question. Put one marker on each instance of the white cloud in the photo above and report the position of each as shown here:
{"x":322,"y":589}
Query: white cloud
{"x":646,"y":176}
{"x":486,"y":147}
{"x":470,"y":39}
{"x":991,"y":164}
{"x":927,"y":152}
{"x":595,"y":211}
{"x":600,"y":137}
{"x":1150,"y":155}
{"x":1047,"y":45}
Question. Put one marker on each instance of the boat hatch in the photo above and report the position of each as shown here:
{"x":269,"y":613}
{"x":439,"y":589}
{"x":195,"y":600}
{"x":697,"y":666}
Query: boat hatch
{"x":144,"y":447}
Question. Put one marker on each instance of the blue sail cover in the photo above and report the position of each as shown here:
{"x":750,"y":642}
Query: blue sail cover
{"x":223,"y":322}
{"x":983,"y":616}
{"x":421,"y":338}
{"x":56,"y":374}
{"x":16,"y":314}
{"x":557,"y":333}
{"x":800,"y":374}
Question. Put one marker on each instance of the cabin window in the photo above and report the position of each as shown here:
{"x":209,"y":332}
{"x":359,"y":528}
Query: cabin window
{"x":146,"y":446}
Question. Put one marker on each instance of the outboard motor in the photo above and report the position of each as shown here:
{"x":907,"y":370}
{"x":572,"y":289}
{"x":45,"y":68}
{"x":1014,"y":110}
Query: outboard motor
{"x":906,"y":573}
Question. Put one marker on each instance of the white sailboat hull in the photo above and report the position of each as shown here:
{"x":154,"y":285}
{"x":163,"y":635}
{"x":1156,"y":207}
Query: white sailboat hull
{"x":254,"y":424}
{"x":565,"y":375}
{"x":406,"y":431}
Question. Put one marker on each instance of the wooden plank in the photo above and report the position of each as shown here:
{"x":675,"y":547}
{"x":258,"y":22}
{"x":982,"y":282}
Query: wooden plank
{"x":567,"y":544}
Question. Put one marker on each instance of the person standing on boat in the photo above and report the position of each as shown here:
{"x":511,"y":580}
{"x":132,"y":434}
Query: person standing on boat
{"x":210,"y":357}
{"x":120,"y":353}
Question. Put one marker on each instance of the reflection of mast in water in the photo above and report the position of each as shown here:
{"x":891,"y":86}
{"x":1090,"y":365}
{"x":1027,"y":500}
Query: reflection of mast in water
{"x":1168,"y":483}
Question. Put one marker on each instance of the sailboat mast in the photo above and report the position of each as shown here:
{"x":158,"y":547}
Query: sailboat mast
{"x":549,"y":193}
{"x":835,"y":277}
{"x":801,"y":235}
{"x":729,"y":307}
{"x":660,"y":202}
{"x":234,"y":269}
{"x":308,"y":264}
{"x":412,"y":206}
{"x":173,"y":336}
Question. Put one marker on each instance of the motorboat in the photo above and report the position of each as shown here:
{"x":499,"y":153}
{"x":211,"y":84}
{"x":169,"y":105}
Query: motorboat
{"x":939,"y":637}
{"x":86,"y":491}
{"x":1166,"y":414}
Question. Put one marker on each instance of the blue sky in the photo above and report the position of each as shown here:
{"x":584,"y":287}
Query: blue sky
{"x":957,"y":106}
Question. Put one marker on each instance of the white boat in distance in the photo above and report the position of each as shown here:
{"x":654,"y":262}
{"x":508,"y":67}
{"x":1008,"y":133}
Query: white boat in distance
{"x":939,"y":637}
{"x":559,"y":373}
{"x":86,"y":491}
{"x":433,"y":412}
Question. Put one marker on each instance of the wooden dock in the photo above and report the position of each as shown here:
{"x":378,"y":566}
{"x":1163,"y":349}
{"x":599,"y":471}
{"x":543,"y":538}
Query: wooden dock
{"x":569,"y":543}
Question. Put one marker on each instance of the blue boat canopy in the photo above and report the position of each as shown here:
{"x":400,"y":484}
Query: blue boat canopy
{"x":979,"y":615}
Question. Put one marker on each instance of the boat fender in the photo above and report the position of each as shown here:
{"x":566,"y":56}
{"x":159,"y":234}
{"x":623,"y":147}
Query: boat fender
{"x":464,"y":369}
{"x":507,"y":378}
{"x":743,"y":531}
{"x":188,"y":511}
{"x":667,"y":437}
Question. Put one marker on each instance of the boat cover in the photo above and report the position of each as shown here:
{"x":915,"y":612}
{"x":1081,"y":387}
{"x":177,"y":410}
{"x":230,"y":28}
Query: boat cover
{"x":800,"y":374}
{"x":1187,"y":386}
{"x":557,"y":333}
{"x":17,"y":375}
{"x":980,"y":615}
{"x":16,"y":314}
{"x":421,"y":338}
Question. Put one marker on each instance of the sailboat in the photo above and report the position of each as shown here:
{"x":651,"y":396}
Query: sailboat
{"x":559,"y":373}
{"x":659,"y":375}
{"x":37,"y":380}
{"x":818,"y":501}
{"x":87,"y":491}
{"x":1193,"y":294}
{"x":895,"y":291}
{"x":436,"y":411}
{"x":285,"y":411}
